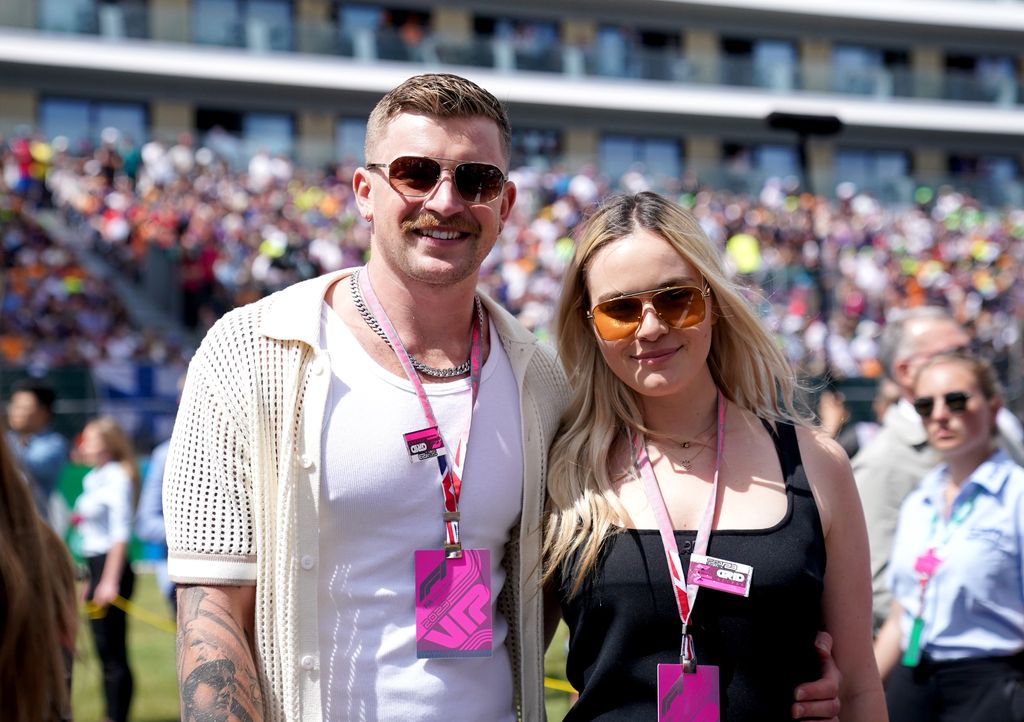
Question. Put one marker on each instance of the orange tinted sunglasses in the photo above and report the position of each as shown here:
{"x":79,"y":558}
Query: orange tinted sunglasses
{"x":678,"y":306}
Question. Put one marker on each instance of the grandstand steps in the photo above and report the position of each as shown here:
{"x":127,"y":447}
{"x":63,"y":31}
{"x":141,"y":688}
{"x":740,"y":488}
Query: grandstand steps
{"x":154,"y":303}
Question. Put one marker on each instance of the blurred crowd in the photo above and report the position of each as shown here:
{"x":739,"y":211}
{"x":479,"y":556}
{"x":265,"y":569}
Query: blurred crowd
{"x":229,"y":235}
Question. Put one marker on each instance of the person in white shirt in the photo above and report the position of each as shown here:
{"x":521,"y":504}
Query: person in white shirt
{"x":103,"y":516}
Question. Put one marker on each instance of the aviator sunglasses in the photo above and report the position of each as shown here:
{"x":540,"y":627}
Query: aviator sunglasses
{"x":956,"y":402}
{"x":678,"y":306}
{"x":415,"y":176}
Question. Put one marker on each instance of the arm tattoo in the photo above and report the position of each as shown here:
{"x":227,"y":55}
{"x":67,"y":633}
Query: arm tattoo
{"x":216,"y":668}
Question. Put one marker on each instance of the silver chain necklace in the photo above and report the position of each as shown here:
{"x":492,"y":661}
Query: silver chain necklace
{"x":371,"y":321}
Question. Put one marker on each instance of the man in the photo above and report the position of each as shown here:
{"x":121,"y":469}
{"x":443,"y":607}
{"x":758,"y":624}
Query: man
{"x":149,"y":517}
{"x":296,"y":500}
{"x":41,"y":451}
{"x":897,"y":457}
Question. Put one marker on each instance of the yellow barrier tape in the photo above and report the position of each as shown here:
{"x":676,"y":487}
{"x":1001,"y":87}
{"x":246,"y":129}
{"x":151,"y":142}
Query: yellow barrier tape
{"x":559,"y":684}
{"x":95,"y":611}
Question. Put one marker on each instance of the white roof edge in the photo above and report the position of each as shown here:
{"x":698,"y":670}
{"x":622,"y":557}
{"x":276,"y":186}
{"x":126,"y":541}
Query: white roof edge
{"x":1001,"y":15}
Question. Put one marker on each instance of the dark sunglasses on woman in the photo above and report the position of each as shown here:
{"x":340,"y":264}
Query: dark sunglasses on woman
{"x":956,"y":402}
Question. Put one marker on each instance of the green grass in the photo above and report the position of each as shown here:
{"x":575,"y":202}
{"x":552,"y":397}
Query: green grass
{"x":556,"y":701}
{"x":151,"y":655}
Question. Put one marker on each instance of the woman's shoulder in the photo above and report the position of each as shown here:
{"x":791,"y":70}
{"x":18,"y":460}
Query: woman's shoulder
{"x":816,"y":446}
{"x":819,"y":445}
{"x":828,"y":473}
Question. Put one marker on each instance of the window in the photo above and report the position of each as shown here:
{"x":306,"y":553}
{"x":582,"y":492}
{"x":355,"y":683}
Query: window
{"x":747,"y":165}
{"x":659,"y":159}
{"x":861,"y":70}
{"x":370,"y":32}
{"x":82,"y":120}
{"x":260,"y":25}
{"x":759,"y":63}
{"x":236,"y":136}
{"x":985,"y":78}
{"x":883,"y":173}
{"x":535,"y":147}
{"x":625,"y":52}
{"x":272,"y":132}
{"x":521,"y":44}
{"x":67,"y":16}
{"x":995,"y":179}
{"x":349,"y":141}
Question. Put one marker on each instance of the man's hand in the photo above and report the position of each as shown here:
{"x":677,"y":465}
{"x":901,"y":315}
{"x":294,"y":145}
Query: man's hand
{"x":820,"y":699}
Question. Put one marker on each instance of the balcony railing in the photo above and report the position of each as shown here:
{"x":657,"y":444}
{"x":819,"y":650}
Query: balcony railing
{"x":603,"y":59}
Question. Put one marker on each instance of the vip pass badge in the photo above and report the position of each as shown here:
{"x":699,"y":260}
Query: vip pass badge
{"x":687,"y":692}
{"x":452,"y":584}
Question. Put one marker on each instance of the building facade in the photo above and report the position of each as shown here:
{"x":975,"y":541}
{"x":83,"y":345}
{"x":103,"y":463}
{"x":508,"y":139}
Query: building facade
{"x":886,"y":95}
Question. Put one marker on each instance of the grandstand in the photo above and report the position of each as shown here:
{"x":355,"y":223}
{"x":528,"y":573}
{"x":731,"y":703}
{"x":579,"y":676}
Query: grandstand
{"x":927,"y":91}
{"x":906,"y":119}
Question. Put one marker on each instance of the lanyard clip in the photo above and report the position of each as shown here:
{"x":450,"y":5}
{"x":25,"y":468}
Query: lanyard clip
{"x":453,"y":544}
{"x":687,"y":656}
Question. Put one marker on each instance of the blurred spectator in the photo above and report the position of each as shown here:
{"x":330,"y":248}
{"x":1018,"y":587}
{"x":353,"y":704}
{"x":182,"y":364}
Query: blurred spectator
{"x":38,"y":615}
{"x":952,"y":647}
{"x":38,"y":449}
{"x":103,"y":514}
{"x":149,"y":518}
{"x":897,"y":458}
{"x":851,"y":434}
{"x":55,"y":313}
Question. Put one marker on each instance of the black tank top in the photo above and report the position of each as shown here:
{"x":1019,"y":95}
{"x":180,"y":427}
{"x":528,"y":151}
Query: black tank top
{"x":624,"y":621}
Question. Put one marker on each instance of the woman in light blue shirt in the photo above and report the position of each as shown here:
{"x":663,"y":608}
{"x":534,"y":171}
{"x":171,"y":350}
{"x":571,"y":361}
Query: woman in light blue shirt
{"x":953,"y":646}
{"x":103,"y":514}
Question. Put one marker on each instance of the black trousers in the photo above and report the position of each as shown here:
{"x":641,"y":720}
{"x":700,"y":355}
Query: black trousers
{"x":990,"y":689}
{"x":109,"y":633}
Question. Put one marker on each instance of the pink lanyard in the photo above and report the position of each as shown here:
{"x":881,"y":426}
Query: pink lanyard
{"x":451,"y":473}
{"x":685,"y":594}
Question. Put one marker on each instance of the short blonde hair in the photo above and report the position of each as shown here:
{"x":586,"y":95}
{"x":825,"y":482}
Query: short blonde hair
{"x":439,"y":95}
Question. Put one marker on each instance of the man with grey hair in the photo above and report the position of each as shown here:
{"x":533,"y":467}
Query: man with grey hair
{"x":898,"y":456}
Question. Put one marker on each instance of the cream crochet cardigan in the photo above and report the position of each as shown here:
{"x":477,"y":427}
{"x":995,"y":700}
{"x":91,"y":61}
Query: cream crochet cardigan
{"x":242,"y":486}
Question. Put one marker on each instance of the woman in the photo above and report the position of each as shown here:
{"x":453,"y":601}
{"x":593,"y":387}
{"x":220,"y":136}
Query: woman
{"x":104,"y":516}
{"x":37,"y":607}
{"x":953,"y":646}
{"x":676,"y":384}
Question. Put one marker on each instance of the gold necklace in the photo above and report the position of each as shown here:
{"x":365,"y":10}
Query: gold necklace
{"x":687,"y":463}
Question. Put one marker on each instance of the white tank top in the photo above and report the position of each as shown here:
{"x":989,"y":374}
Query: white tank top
{"x":377,"y":507}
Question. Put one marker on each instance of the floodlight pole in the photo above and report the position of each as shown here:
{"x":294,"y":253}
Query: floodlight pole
{"x":805,"y":126}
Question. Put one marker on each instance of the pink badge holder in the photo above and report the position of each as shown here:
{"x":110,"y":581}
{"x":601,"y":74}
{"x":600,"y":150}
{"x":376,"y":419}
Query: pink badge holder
{"x":688,"y":692}
{"x":453,"y":604}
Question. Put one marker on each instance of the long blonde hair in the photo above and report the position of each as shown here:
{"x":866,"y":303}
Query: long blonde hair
{"x":120,"y":449}
{"x":37,"y":606}
{"x":744,"y":361}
